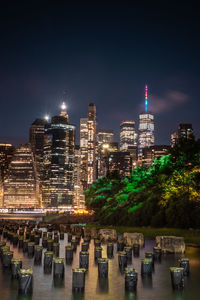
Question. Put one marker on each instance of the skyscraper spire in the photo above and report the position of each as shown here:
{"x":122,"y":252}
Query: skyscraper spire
{"x":146,"y":127}
{"x":146,"y":98}
{"x":64,"y":110}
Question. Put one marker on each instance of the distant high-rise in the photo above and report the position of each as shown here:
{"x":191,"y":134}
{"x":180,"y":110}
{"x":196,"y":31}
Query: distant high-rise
{"x":36,"y":139}
{"x":6,"y":154}
{"x":1,"y":191}
{"x":104,"y":137}
{"x":79,"y":197}
{"x":91,"y":143}
{"x":185,"y":131}
{"x":59,"y":144}
{"x":120,"y":162}
{"x":174,"y":139}
{"x":103,"y":157}
{"x":21,"y":189}
{"x":152,"y":152}
{"x":36,"y":136}
{"x":146,"y":127}
{"x":133,"y":150}
{"x":128,"y":135}
{"x":84,"y":151}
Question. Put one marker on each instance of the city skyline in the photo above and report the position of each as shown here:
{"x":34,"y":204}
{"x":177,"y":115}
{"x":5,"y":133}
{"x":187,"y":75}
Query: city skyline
{"x":107,"y":63}
{"x":99,"y":150}
{"x":16,"y":140}
{"x":52,"y":171}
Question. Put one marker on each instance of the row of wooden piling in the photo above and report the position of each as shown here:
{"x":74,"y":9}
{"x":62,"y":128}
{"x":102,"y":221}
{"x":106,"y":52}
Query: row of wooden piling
{"x":29,"y":240}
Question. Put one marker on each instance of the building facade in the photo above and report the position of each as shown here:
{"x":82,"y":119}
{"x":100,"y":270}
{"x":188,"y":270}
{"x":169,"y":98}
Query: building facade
{"x":146,"y":131}
{"x":84,"y":151}
{"x":133,"y":150}
{"x":36,"y":140}
{"x":79,"y":197}
{"x":1,"y":192}
{"x":185,"y":131}
{"x":59,"y":148}
{"x":152,"y":152}
{"x":103,"y":160}
{"x":174,"y":139}
{"x":91,"y":144}
{"x":6,"y":154}
{"x":120,"y":162}
{"x":104,"y":137}
{"x":21,"y":188}
{"x":128,"y":135}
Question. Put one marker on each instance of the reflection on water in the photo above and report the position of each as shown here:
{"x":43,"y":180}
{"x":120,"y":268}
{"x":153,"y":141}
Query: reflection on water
{"x":130,"y":296}
{"x":77,"y":296}
{"x":24,"y":297}
{"x":58,"y":283}
{"x":102,"y":286}
{"x":147,"y":282}
{"x":157,"y":287}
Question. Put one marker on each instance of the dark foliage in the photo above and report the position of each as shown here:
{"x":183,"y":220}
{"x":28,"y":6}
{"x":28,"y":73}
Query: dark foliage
{"x":166,"y":194}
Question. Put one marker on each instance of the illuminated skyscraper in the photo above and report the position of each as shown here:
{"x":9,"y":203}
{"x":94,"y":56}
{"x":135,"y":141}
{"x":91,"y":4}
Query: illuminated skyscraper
{"x":152,"y":152}
{"x":128,"y":135}
{"x":146,"y":127}
{"x":6,"y":154}
{"x":104,"y":137}
{"x":36,"y":139}
{"x":79,"y":197}
{"x":103,"y":157}
{"x":133,"y":150}
{"x":21,"y":189}
{"x":174,"y":139}
{"x":185,"y":131}
{"x":91,"y":143}
{"x":84,"y":151}
{"x":59,"y":144}
{"x":1,"y":191}
{"x":120,"y":162}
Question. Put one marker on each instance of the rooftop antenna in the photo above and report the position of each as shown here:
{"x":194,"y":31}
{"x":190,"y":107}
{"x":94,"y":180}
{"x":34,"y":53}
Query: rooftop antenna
{"x":146,"y":98}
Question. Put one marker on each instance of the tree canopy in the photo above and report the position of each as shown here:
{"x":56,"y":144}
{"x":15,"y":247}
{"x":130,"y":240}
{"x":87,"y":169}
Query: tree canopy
{"x":165,"y":194}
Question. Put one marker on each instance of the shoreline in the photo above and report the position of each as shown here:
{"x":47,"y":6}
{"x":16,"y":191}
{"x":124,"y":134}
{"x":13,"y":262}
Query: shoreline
{"x":191,"y":236}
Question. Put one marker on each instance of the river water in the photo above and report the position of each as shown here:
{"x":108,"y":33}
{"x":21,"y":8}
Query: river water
{"x":156,"y":288}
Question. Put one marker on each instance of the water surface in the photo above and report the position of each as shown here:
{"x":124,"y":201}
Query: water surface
{"x":156,"y":288}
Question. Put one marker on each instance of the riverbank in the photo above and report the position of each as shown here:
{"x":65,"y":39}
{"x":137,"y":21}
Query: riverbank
{"x":68,"y":219}
{"x":191,"y":236}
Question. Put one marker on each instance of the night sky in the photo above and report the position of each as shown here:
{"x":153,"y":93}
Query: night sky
{"x":102,"y":53}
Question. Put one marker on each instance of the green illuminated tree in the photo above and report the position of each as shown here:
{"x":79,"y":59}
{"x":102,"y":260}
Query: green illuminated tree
{"x":165,"y":194}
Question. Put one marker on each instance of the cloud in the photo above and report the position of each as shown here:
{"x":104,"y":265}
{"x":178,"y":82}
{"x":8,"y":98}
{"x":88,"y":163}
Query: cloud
{"x":170,"y":100}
